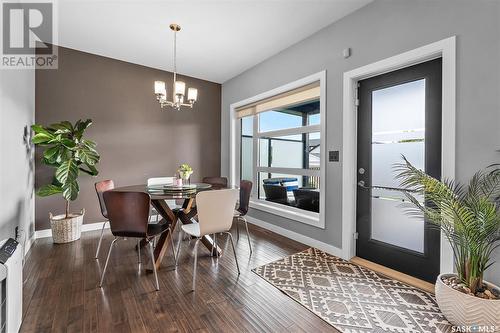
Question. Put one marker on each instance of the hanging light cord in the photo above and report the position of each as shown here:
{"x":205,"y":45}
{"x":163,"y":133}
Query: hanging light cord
{"x":175,"y":60}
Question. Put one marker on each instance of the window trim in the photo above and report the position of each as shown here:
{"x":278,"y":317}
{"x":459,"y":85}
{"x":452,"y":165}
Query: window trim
{"x":299,"y":215}
{"x":289,"y":131}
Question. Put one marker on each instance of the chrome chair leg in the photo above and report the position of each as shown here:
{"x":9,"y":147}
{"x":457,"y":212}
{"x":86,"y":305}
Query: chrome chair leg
{"x":237,"y":228}
{"x":234,"y":251}
{"x":248,"y":233}
{"x":100,"y":240}
{"x":179,"y":246}
{"x":195,"y":263}
{"x":139,"y":251}
{"x":213,"y":245}
{"x":107,"y":260}
{"x":152,"y":254}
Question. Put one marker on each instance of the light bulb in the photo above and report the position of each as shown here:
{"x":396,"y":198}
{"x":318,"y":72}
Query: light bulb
{"x":160,"y":88}
{"x":179,"y":87}
{"x":192,"y":94}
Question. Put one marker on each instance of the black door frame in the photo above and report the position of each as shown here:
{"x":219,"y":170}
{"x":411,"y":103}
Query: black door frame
{"x":401,"y":259}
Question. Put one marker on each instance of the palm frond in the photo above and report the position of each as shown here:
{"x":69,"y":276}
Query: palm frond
{"x":467,"y":215}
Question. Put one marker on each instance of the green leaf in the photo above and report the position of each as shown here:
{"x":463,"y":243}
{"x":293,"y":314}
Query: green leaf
{"x":87,"y":156}
{"x":63,"y":125}
{"x":56,"y":139}
{"x":81,"y":126}
{"x":63,"y":154}
{"x":68,"y":143}
{"x":89,"y":144}
{"x":47,"y":190}
{"x":91,"y":170}
{"x":51,"y":154}
{"x":42,"y":138}
{"x":60,"y":128}
{"x":67,"y":171}
{"x":50,"y":163}
{"x":40,"y":129}
{"x":70,"y":190}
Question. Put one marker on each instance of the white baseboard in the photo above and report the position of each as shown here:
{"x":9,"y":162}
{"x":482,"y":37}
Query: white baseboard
{"x":333,"y":250}
{"x":330,"y":249}
{"x":85,"y":227}
{"x":29,"y":244}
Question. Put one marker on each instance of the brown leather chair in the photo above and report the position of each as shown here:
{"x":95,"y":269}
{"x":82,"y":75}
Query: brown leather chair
{"x":220,"y":182}
{"x":128,"y":214}
{"x":242,"y":210}
{"x":100,"y":188}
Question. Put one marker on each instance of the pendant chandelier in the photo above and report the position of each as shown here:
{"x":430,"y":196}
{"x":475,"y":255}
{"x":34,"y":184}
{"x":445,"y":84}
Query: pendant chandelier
{"x":179,"y":87}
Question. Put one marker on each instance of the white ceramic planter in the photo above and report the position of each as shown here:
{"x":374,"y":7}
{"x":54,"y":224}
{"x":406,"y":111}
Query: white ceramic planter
{"x":465,"y":310}
{"x":65,"y":230}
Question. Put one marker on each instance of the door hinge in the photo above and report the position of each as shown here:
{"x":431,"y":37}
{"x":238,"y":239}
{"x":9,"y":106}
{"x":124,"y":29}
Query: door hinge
{"x":356,"y":102}
{"x":356,"y":235}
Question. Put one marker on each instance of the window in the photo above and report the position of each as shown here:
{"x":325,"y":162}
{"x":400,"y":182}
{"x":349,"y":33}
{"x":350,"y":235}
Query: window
{"x":280,"y":151}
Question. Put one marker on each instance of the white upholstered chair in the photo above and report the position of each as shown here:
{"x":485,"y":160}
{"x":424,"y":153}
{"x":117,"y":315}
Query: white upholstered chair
{"x":158,"y":181}
{"x":215,"y":216}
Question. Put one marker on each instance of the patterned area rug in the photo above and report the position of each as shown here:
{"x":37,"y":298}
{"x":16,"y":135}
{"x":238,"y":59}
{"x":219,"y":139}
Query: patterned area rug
{"x":352,"y":298}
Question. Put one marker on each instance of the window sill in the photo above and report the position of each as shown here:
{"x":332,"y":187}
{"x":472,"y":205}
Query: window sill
{"x":292,"y":213}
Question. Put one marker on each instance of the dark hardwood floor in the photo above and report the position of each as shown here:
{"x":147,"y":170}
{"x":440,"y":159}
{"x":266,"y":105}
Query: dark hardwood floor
{"x":61,"y":292}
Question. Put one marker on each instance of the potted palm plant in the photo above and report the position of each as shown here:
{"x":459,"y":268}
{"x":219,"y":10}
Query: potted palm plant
{"x":68,"y":153}
{"x":469,"y":217}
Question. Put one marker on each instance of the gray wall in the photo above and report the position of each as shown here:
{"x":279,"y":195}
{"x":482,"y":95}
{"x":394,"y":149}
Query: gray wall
{"x":380,"y":30}
{"x":17,"y":111}
{"x":136,"y":139}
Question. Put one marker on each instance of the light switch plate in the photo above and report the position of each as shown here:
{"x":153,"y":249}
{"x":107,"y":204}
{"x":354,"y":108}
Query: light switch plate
{"x":333,"y":156}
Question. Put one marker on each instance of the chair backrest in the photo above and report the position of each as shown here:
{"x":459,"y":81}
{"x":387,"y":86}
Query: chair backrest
{"x":100,"y":188}
{"x":160,"y":181}
{"x":128,"y":213}
{"x":216,"y":210}
{"x":245,"y":192}
{"x":220,"y":182}
{"x":275,"y":192}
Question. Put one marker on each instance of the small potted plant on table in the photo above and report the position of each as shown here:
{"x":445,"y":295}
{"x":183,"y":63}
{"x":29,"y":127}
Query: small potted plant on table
{"x":185,"y":171}
{"x":469,"y":217}
{"x":68,"y":153}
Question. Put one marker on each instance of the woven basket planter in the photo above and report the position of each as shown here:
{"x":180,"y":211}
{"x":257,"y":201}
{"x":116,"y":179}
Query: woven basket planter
{"x":65,"y":230}
{"x":465,"y":310}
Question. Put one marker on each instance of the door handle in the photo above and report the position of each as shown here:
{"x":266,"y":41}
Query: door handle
{"x":361,"y":184}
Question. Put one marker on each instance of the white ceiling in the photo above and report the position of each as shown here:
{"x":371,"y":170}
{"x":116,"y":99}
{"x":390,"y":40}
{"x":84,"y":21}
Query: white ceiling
{"x":218,"y":40}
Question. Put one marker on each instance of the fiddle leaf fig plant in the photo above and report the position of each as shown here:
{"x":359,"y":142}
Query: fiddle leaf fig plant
{"x":66,"y":150}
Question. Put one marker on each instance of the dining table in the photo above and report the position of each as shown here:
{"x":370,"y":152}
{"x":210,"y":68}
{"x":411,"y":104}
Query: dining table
{"x":161,"y":195}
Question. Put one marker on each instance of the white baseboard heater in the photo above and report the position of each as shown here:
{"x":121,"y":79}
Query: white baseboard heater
{"x":11,"y":292}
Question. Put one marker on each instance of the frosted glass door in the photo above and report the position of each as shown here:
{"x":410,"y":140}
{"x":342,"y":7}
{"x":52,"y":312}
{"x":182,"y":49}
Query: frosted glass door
{"x":399,"y":113}
{"x":398,"y":128}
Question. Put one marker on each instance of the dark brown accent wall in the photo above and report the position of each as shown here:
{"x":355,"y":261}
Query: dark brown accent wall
{"x":136,"y":139}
